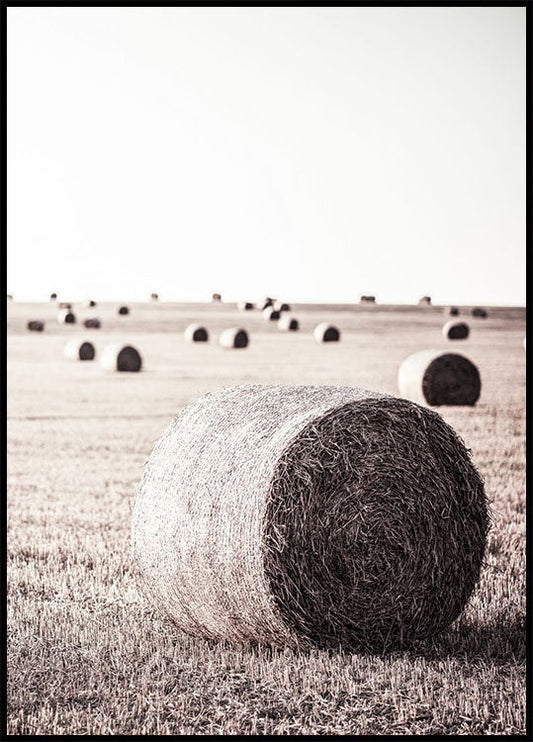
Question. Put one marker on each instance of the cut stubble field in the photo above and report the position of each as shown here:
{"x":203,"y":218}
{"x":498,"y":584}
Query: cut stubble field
{"x":87,"y":653}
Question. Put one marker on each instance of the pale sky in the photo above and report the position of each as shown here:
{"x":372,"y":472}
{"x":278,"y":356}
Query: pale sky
{"x":307,"y":153}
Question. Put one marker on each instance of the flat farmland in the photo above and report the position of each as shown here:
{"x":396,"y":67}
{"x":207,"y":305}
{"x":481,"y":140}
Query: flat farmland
{"x":87,"y":654}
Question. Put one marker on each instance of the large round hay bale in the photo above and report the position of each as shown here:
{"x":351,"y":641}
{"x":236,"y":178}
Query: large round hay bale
{"x":271,"y":314}
{"x":425,"y":300}
{"x":439,"y":378}
{"x":66,"y":317}
{"x":326,"y":333}
{"x":453,"y":311}
{"x":80,"y":350}
{"x":35,"y":325}
{"x":282,"y":306}
{"x":123,"y":310}
{"x":196,"y":334}
{"x":479,"y":312}
{"x":117,"y":357}
{"x":234,"y":337}
{"x":455,"y":330}
{"x":309,"y":516}
{"x":244,"y":306}
{"x":286,"y":322}
{"x":368,"y":299}
{"x":92,"y":322}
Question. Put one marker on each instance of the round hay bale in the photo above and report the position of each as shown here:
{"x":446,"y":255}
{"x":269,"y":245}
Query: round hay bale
{"x":453,"y":311}
{"x":196,"y":334}
{"x":154,"y":297}
{"x":479,"y":312}
{"x":123,"y":310}
{"x":244,"y":306}
{"x":455,"y":330}
{"x":286,"y":322}
{"x":234,"y":337}
{"x":9,"y":297}
{"x":425,"y":300}
{"x":65,"y":305}
{"x":368,"y":300}
{"x":281,"y":306}
{"x":117,"y":357}
{"x":80,"y":350}
{"x":35,"y":325}
{"x":271,"y":314}
{"x":92,"y":322}
{"x":91,"y":303}
{"x":309,"y":516}
{"x":66,"y":317}
{"x":326,"y":333}
{"x":216,"y":297}
{"x":436,"y":378}
{"x":53,"y":296}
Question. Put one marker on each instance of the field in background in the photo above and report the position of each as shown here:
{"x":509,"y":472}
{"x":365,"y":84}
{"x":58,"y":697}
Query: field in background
{"x":88,"y":655}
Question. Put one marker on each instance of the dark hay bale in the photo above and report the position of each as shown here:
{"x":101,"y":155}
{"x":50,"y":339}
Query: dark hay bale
{"x":116,"y":357}
{"x":425,"y":300}
{"x":53,"y":296}
{"x":368,"y":300}
{"x":455,"y":330}
{"x":35,"y":325}
{"x":196,"y":334}
{"x":10,"y":297}
{"x":154,"y":297}
{"x":437,"y":378}
{"x":123,"y":310}
{"x":266,"y":303}
{"x":286,"y":322}
{"x":216,"y":297}
{"x":245,"y":306}
{"x":78,"y":350}
{"x":309,"y":516}
{"x":92,"y":322}
{"x":66,"y":317}
{"x":281,"y":306}
{"x":326,"y":333}
{"x":453,"y":311}
{"x":234,"y":337}
{"x":91,"y":303}
{"x":271,"y":314}
{"x":479,"y":312}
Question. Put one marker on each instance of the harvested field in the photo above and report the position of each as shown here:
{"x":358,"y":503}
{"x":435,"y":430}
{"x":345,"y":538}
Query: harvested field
{"x":88,"y":654}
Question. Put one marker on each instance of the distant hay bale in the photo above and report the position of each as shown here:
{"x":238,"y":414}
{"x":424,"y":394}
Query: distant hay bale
{"x":479,"y":312}
{"x":455,"y":330}
{"x":234,"y":337}
{"x":326,"y":333}
{"x":66,"y":317}
{"x":453,"y":311}
{"x":10,"y":297}
{"x":216,"y":297}
{"x":438,"y":378}
{"x":244,"y":306}
{"x":368,"y":300}
{"x":425,"y":300}
{"x":53,"y":296}
{"x":35,"y":325}
{"x":286,"y":322}
{"x":196,"y":334}
{"x":309,"y":516}
{"x":271,"y":314}
{"x":154,"y":297}
{"x":281,"y":306}
{"x":123,"y":310}
{"x":117,"y":357}
{"x":92,"y":322}
{"x":80,"y":350}
{"x":91,"y":303}
{"x":65,"y":305}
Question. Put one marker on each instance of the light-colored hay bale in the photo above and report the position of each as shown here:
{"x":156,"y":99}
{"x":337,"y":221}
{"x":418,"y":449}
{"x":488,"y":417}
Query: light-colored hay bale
{"x":439,"y":378}
{"x":123,"y":310}
{"x":286,"y":322}
{"x":92,"y":322}
{"x":65,"y":305}
{"x":66,"y":317}
{"x":117,"y":357}
{"x":196,"y":334}
{"x":453,"y":311}
{"x":309,"y":516}
{"x":234,"y":337}
{"x":216,"y":297}
{"x":271,"y":315}
{"x":368,"y":300}
{"x":35,"y":325}
{"x":455,"y":330}
{"x":244,"y":306}
{"x":154,"y":297}
{"x":425,"y":300}
{"x":326,"y":333}
{"x":282,"y":306}
{"x":53,"y":296}
{"x":479,"y":312}
{"x":80,"y":350}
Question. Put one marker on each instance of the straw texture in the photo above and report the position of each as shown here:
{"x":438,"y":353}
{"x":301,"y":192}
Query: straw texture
{"x":455,"y":330}
{"x":116,"y":357}
{"x":309,"y":516}
{"x":437,"y":378}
